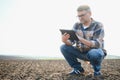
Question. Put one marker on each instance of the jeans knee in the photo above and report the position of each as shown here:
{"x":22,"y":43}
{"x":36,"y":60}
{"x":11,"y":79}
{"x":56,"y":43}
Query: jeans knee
{"x":95,"y":54}
{"x":63,"y":47}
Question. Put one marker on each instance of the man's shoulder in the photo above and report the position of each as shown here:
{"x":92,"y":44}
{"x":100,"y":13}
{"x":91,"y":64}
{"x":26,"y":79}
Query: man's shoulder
{"x":76,"y":25}
{"x":98,"y":23}
{"x":94,"y":21}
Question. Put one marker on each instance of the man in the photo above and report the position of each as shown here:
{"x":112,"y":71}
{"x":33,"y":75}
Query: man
{"x":90,"y":44}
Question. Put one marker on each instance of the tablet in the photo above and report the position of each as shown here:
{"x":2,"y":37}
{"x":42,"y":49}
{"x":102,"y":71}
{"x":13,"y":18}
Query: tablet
{"x":71,"y":33}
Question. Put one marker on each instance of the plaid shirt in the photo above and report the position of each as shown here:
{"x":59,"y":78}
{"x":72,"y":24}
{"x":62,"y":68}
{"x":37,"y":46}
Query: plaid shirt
{"x":93,"y":33}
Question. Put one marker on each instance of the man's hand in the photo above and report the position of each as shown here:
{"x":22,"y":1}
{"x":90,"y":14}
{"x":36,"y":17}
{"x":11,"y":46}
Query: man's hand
{"x":84,"y":41}
{"x":65,"y":37}
{"x":79,"y":37}
{"x":79,"y":34}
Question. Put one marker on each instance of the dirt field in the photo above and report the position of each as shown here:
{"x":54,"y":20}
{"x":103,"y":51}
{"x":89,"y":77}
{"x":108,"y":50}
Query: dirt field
{"x":53,"y":70}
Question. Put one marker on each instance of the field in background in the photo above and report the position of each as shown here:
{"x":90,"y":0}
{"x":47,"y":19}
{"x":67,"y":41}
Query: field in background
{"x":28,"y":69}
{"x":14,"y":57}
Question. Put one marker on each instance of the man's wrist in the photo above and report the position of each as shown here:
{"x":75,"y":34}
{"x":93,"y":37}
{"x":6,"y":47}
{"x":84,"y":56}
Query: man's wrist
{"x":80,"y":38}
{"x":68,"y":42}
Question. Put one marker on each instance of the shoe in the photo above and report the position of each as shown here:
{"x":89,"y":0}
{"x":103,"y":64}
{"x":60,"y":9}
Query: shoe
{"x":76,"y":71}
{"x":97,"y":74}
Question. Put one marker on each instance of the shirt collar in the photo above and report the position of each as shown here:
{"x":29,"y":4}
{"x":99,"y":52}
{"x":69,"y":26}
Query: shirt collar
{"x":93,"y":21}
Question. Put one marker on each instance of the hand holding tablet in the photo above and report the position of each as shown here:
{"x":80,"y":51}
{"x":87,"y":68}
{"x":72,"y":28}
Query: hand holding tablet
{"x":71,"y":33}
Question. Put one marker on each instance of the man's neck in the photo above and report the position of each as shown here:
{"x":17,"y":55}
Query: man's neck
{"x":87,"y":23}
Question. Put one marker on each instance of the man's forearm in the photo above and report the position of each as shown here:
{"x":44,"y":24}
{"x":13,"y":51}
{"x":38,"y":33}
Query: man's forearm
{"x":86,"y":42}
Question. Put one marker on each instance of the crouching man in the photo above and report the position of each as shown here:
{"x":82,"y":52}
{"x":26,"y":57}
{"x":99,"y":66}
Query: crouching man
{"x":90,"y":44}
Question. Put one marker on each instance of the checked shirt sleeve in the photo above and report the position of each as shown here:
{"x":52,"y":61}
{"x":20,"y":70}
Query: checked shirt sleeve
{"x":98,"y":37}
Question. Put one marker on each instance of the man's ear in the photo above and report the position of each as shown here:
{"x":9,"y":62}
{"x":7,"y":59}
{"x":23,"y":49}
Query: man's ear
{"x":90,"y":13}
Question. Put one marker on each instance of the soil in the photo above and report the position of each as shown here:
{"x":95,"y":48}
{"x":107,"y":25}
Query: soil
{"x":55,"y":70}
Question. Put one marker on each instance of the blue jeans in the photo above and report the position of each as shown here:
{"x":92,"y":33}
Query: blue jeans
{"x":95,"y":56}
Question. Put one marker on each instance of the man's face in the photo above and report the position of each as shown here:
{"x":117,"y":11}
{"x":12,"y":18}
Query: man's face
{"x":84,"y":16}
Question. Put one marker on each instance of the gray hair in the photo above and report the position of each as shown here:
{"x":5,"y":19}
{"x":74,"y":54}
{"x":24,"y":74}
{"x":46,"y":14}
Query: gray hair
{"x":83,"y":7}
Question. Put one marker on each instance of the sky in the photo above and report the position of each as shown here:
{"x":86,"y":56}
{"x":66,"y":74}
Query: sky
{"x":31,"y":27}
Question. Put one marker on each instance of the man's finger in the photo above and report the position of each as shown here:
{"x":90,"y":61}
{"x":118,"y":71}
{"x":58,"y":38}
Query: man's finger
{"x":65,"y":34}
{"x":68,"y":35}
